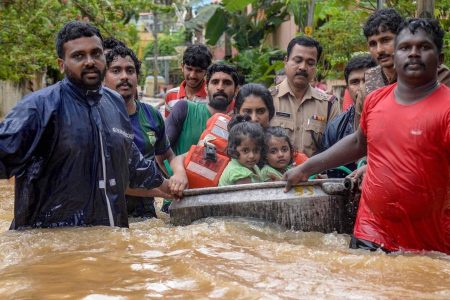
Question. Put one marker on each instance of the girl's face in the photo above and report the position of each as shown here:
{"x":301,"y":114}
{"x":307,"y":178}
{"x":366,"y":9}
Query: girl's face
{"x":255,"y":107}
{"x":249,"y":153}
{"x":279,"y":153}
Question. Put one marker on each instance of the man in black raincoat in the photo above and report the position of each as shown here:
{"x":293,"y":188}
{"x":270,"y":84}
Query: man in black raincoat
{"x":70,"y":145}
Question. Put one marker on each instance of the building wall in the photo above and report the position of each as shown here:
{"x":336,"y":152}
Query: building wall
{"x":11,"y":92}
{"x":284,"y":34}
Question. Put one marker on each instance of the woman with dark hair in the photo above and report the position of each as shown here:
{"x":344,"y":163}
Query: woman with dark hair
{"x":256,"y":101}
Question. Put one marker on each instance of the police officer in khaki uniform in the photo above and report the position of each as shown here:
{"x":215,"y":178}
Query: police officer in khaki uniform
{"x":301,"y":109}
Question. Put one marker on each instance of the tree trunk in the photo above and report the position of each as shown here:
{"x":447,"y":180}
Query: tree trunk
{"x":311,"y":8}
{"x":155,"y":53}
{"x":425,"y":9}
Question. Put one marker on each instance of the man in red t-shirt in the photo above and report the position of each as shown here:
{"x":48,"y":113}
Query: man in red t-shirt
{"x":196,"y":60}
{"x":405,"y":131}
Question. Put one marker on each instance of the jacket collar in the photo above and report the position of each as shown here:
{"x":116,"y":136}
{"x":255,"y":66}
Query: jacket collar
{"x":90,"y":97}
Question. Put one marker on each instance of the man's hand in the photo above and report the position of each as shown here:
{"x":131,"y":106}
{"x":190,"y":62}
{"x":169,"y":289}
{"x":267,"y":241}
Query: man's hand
{"x":294,"y":176}
{"x":178,"y":183}
{"x":273,"y":177}
{"x":162,"y":191}
{"x":358,"y":175}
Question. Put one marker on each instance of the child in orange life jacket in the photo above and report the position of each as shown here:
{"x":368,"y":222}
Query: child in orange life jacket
{"x":245,"y":146}
{"x":280,"y":155}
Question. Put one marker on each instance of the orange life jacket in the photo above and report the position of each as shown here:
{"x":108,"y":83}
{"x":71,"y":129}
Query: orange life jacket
{"x":299,"y":158}
{"x":216,"y":132}
{"x":204,"y":166}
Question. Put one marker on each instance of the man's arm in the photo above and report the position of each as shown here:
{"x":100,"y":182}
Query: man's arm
{"x":155,"y":192}
{"x":20,"y":134}
{"x":179,"y":181}
{"x":175,"y":121}
{"x":347,"y":150}
{"x":143,"y":173}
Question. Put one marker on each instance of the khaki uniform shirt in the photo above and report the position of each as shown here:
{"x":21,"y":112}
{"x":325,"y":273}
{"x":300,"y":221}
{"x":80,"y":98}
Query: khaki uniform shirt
{"x":304,"y":119}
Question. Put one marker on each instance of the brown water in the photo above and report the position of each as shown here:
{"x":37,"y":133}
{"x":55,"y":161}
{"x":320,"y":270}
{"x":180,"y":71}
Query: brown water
{"x":217,"y":259}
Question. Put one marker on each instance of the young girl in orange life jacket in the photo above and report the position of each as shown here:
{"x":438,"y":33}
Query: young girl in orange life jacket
{"x":245,"y":148}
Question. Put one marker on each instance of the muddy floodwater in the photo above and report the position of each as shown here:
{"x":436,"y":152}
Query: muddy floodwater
{"x":215,"y":259}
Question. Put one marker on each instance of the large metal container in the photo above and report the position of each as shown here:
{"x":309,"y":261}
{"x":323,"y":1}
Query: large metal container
{"x":318,"y":205}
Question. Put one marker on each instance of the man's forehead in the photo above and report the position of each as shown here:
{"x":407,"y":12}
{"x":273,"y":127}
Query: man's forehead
{"x":380,"y":34}
{"x":193,"y":67}
{"x":301,"y":50}
{"x":357,"y":72}
{"x":85,"y":43}
{"x":407,"y":34}
{"x":222,"y":76}
{"x":122,"y":61}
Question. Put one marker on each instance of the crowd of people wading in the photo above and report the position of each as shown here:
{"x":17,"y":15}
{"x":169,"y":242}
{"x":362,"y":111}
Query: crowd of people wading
{"x":86,"y":151}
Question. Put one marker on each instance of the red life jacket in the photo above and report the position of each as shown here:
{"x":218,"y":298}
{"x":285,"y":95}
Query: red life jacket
{"x":205,"y":162}
{"x":216,"y":132}
{"x":204,"y":166}
{"x":299,"y":158}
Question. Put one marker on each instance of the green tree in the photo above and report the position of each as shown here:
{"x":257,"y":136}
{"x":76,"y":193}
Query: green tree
{"x":29,"y":29}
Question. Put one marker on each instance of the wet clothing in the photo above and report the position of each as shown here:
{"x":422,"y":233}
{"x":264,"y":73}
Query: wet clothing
{"x":174,"y":95}
{"x":235,"y":171}
{"x":304,"y":119}
{"x":73,"y":156}
{"x":365,"y":245}
{"x":185,"y":125}
{"x":337,"y":129}
{"x":405,"y":202}
{"x":150,"y":138}
{"x":149,"y":130}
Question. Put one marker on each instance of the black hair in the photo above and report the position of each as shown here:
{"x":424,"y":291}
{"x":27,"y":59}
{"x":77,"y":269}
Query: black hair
{"x":198,"y":56}
{"x":387,"y":19}
{"x":278,"y":132}
{"x":72,"y":31}
{"x":230,"y":70}
{"x":241,"y":127}
{"x":363,"y":61}
{"x":430,"y":26}
{"x":123,"y":52}
{"x":112,"y":42}
{"x":257,"y":90}
{"x":304,"y":41}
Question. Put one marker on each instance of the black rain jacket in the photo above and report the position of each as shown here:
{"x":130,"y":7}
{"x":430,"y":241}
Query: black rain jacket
{"x":337,"y":129}
{"x":73,"y":156}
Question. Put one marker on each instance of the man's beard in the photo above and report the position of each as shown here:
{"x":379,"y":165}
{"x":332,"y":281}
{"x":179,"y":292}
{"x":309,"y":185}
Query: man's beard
{"x":218,"y":102}
{"x":83,"y":82}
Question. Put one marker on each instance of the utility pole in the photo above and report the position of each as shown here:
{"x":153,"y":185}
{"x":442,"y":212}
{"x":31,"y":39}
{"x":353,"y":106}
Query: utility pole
{"x":425,"y":9}
{"x":312,"y":6}
{"x":155,"y":52}
{"x":380,"y":4}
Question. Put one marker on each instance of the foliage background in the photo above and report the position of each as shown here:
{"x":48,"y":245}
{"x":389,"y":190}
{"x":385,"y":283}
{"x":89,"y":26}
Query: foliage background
{"x":28,"y":29}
